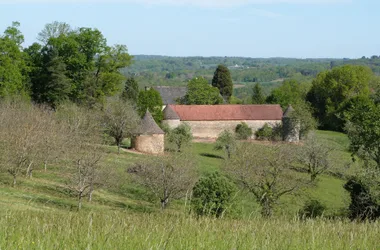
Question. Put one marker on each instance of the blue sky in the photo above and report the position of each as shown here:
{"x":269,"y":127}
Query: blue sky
{"x":250,"y":28}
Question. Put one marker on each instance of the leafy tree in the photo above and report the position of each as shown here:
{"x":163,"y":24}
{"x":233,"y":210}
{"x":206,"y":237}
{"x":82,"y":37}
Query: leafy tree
{"x":243,"y":132}
{"x":303,"y":115}
{"x":13,"y":67}
{"x":289,"y":92}
{"x":180,"y":136}
{"x":223,"y":81}
{"x":120,"y":120}
{"x":212,"y":195}
{"x":166,"y":177}
{"x":266,"y":172}
{"x":199,"y":91}
{"x":87,"y":61}
{"x":332,"y":90}
{"x":131,"y":90}
{"x":150,"y":100}
{"x":363,"y":130}
{"x":226,"y":141}
{"x":258,"y":96}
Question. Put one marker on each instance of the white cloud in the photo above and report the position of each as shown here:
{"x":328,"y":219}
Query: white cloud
{"x":199,"y":3}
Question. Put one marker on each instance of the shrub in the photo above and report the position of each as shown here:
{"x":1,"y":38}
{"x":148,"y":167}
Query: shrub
{"x":264,"y":133}
{"x":277,"y":132}
{"x":243,"y":132}
{"x":312,"y":209}
{"x":363,"y":204}
{"x":212,"y":195}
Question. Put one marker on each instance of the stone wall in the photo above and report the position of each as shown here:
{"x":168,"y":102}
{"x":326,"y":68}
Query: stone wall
{"x":172,"y":123}
{"x":152,"y":144}
{"x":212,"y":129}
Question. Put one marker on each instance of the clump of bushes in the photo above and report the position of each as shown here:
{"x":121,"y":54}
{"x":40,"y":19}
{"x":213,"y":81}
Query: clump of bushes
{"x":243,"y":132}
{"x":268,"y":133}
{"x":264,"y":133}
{"x":312,"y":209}
{"x":212,"y":195}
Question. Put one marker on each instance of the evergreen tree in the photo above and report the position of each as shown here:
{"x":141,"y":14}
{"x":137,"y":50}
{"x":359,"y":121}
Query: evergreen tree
{"x":131,"y":90}
{"x":258,"y":95}
{"x":223,"y":81}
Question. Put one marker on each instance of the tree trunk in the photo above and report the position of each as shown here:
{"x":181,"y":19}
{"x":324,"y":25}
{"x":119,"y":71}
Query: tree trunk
{"x":164,"y":202}
{"x":14,"y":181}
{"x":313,"y":177}
{"x":45,"y":165}
{"x":266,"y":208}
{"x":29,"y":170}
{"x":90,"y":193}
{"x":80,"y":201}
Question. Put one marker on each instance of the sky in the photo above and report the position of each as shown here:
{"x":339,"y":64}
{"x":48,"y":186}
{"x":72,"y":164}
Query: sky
{"x":248,"y":28}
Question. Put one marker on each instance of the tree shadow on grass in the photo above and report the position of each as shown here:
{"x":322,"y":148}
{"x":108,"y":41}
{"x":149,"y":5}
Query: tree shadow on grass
{"x":211,"y":156}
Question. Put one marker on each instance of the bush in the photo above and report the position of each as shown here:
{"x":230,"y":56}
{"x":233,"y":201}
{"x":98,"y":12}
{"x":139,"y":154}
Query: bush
{"x":264,"y":133}
{"x":212,"y":195}
{"x":243,"y":132}
{"x":277,"y":132}
{"x":363,"y":205}
{"x":312,"y":209}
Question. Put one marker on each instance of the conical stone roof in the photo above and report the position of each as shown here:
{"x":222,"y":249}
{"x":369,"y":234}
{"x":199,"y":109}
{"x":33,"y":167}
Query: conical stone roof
{"x":149,"y":126}
{"x":170,"y":114}
{"x":288,"y":111}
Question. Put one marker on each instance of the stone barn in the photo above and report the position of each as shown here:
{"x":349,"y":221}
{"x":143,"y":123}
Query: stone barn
{"x":150,"y":137}
{"x":208,"y":121}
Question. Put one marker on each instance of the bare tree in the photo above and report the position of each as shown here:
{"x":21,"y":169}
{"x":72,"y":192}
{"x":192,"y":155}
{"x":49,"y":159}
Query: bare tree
{"x":83,"y":151}
{"x":120,"y":120}
{"x":21,"y":129}
{"x":53,"y":30}
{"x":166,"y":177}
{"x":314,"y":156}
{"x":265,"y":172}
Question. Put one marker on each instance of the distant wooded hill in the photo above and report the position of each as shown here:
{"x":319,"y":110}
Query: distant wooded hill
{"x":270,"y":72}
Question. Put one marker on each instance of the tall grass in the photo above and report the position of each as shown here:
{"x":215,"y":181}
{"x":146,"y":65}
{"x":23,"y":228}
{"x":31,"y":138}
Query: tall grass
{"x":119,"y":230}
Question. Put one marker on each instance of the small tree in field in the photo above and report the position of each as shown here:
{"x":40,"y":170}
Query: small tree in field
{"x":265,"y":172}
{"x":85,"y":170}
{"x":243,"y":132}
{"x":167,"y":178}
{"x":180,"y":136}
{"x":120,"y":119}
{"x":314,"y":156}
{"x":227,"y":142}
{"x":212,"y":195}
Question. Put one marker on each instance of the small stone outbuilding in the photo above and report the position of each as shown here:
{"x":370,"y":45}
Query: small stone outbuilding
{"x":291,"y":127}
{"x":150,"y":137}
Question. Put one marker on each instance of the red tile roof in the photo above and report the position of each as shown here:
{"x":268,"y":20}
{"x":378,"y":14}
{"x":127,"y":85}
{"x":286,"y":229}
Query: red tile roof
{"x":227,"y":112}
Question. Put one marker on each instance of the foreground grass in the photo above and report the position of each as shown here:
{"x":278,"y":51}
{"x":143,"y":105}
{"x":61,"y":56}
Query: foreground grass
{"x":118,"y":230}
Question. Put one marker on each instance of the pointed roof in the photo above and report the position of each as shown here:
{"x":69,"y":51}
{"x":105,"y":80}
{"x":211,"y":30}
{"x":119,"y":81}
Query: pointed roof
{"x":170,"y":114}
{"x":149,"y":126}
{"x":288,"y":111}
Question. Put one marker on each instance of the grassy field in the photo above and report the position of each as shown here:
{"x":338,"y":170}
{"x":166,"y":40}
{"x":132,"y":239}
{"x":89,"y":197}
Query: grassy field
{"x":40,"y":213}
